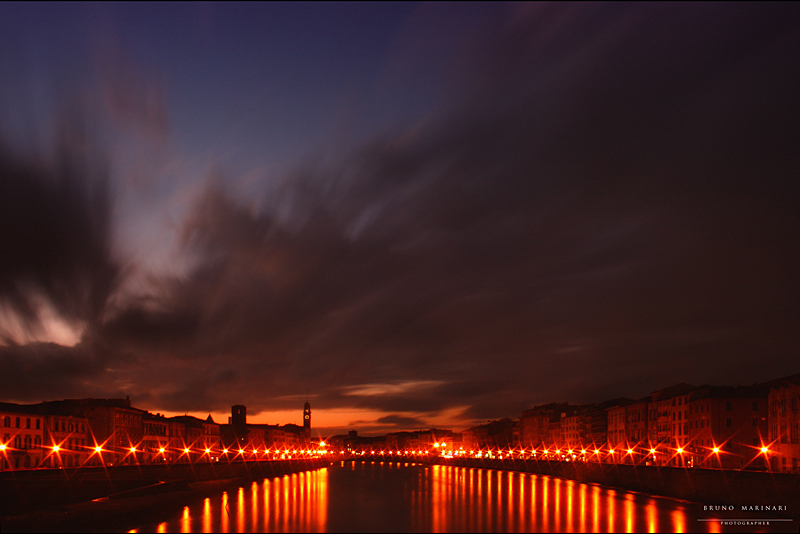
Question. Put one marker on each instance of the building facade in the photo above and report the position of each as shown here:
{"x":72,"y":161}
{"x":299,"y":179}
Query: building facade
{"x":784,"y":425}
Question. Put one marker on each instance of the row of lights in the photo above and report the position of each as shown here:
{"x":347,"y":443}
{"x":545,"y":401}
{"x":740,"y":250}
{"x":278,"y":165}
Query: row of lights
{"x":547,"y":452}
{"x":98,"y":449}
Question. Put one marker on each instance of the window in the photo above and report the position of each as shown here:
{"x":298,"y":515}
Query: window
{"x":27,"y":422}
{"x":755,"y":406}
{"x":728,"y":422}
{"x":6,"y":421}
{"x":784,"y":437}
{"x":728,"y":406}
{"x":755,"y":421}
{"x":794,"y":404}
{"x":17,"y":422}
{"x":38,"y":424}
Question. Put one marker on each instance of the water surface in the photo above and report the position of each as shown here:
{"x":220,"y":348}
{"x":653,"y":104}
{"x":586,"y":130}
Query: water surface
{"x":408,"y":497}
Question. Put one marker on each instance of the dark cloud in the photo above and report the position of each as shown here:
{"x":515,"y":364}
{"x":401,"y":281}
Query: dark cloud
{"x":38,"y":371}
{"x":610,"y":207}
{"x":401,"y":421}
{"x":55,"y":230}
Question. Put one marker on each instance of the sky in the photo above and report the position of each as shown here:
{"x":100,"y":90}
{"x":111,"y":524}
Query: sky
{"x":411,"y":215}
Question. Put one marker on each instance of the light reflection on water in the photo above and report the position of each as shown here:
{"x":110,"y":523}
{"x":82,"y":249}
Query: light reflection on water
{"x":391,"y":496}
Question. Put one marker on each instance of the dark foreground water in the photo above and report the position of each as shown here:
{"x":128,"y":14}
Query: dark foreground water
{"x":407,"y":497}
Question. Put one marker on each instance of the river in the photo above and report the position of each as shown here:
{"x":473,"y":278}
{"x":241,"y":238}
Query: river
{"x":409,"y":497}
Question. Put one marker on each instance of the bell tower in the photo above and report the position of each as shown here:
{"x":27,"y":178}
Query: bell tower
{"x":307,"y":418}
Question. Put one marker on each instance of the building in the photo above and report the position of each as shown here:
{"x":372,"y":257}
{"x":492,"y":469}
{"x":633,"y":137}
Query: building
{"x":66,"y":440}
{"x":22,"y":436}
{"x":200,"y":439}
{"x":541,"y":425}
{"x":307,"y":421}
{"x":115,"y":426}
{"x":155,"y":446}
{"x":665,"y":422}
{"x":726,"y":427}
{"x":617,"y":432}
{"x":235,"y":435}
{"x":784,"y":420}
{"x":497,"y":434}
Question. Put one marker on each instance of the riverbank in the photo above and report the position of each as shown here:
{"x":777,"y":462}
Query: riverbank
{"x":86,"y":500}
{"x":776,"y":493}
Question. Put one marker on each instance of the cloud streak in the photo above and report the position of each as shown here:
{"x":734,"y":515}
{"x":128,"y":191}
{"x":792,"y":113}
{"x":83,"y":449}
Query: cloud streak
{"x":607,"y":207}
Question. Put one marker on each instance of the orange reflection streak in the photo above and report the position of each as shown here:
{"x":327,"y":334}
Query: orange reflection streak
{"x":494,"y":515}
{"x":557,"y":515}
{"x":207,"y":515}
{"x":595,"y":509}
{"x":437,"y":499}
{"x":305,"y":500}
{"x":322,"y":506}
{"x":224,"y":512}
{"x":610,"y":510}
{"x":570,"y":510}
{"x":629,"y":514}
{"x":312,"y":497}
{"x":469,"y":499}
{"x":186,"y":520}
{"x":267,"y":488}
{"x":533,"y":480}
{"x":545,"y":508}
{"x":254,"y":506}
{"x":285,"y":495}
{"x":501,"y":475}
{"x":162,"y":527}
{"x":650,"y":513}
{"x":479,"y":516}
{"x":240,"y":511}
{"x":678,"y":521}
{"x":276,"y":512}
{"x":295,"y":480}
{"x":523,"y":519}
{"x":582,"y":500}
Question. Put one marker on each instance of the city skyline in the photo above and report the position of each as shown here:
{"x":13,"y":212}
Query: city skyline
{"x":413,"y":216}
